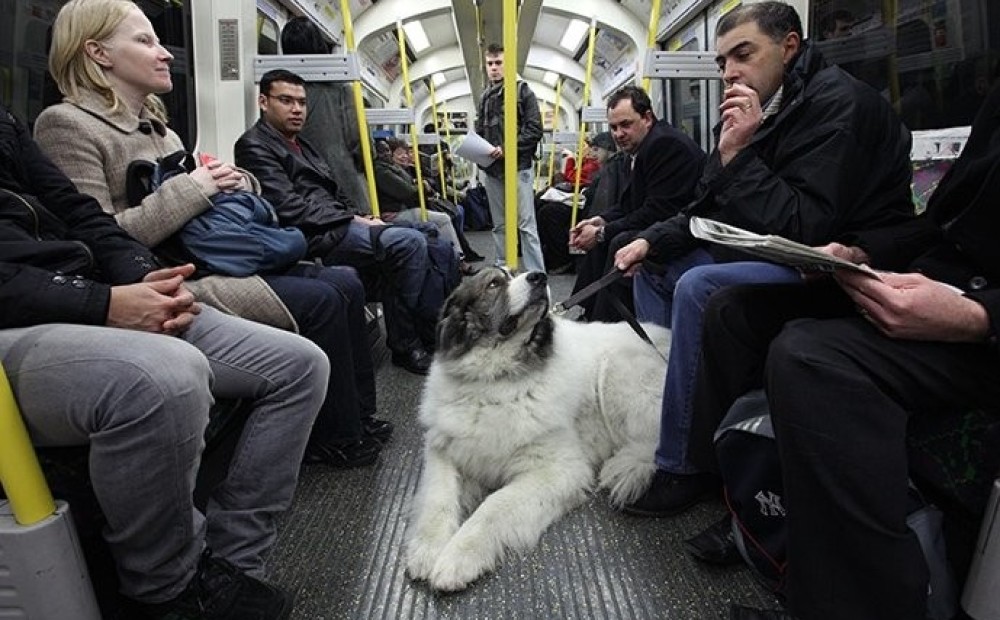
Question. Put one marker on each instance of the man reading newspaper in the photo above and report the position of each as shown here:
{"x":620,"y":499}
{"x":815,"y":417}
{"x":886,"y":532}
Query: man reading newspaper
{"x":804,"y":151}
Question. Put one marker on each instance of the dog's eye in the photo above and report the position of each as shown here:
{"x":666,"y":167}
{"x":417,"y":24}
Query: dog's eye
{"x":493,"y":284}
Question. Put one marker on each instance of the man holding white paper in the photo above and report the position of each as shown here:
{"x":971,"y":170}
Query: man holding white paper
{"x":489,"y":125}
{"x":846,"y":362}
{"x":804,"y":151}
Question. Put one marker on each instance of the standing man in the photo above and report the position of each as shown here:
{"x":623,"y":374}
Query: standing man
{"x":665,"y":166}
{"x":804,"y":151}
{"x":296,"y":180}
{"x":489,"y":125}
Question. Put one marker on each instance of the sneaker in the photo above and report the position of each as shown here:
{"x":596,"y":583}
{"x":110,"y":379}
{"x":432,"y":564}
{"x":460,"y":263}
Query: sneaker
{"x":671,"y":494}
{"x":219,"y":591}
{"x":379,"y":430}
{"x":343,"y":455}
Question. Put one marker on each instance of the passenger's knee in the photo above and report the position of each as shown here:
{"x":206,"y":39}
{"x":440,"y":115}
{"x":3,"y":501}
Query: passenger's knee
{"x":694,"y":287}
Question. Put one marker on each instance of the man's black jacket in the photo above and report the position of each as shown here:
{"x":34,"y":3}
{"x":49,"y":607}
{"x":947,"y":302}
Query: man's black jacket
{"x":957,"y":239}
{"x":59,"y":252}
{"x":299,"y":185}
{"x":835,"y":158}
{"x":663,"y":180}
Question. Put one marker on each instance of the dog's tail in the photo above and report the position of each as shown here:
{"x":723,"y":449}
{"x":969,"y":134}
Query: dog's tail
{"x":628,"y":472}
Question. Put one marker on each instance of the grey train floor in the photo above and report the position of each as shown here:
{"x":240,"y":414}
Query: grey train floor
{"x":340,"y":546}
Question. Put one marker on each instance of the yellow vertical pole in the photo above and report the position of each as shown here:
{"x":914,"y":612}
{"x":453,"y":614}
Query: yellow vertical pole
{"x":510,"y":129}
{"x":414,"y":143}
{"x":555,"y":128}
{"x":359,"y":106}
{"x":437,"y":131}
{"x":654,"y":24}
{"x":20,"y":473}
{"x":447,"y":137}
{"x":583,"y":126}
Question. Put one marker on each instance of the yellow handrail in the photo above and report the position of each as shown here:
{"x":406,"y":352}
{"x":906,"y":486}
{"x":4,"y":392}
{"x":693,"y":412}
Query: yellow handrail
{"x":359,"y":105}
{"x":583,"y":126}
{"x":437,"y":132}
{"x":510,"y":92}
{"x":654,"y":23}
{"x":555,"y":128}
{"x":403,"y":62}
{"x":447,"y":137}
{"x":20,"y":473}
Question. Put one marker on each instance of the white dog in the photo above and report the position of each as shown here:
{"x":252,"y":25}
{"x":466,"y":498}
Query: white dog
{"x":522,"y":411}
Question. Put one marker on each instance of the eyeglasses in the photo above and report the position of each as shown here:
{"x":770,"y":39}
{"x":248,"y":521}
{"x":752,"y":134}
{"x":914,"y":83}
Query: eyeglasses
{"x":287,"y":100}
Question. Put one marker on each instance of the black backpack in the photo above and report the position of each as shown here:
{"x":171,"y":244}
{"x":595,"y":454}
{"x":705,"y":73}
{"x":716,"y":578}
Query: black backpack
{"x":754,"y":493}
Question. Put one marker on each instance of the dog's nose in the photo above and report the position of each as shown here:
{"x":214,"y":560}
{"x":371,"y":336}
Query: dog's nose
{"x":537,"y":277}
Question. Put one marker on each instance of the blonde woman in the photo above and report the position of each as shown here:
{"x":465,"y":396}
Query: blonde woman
{"x":110,"y":67}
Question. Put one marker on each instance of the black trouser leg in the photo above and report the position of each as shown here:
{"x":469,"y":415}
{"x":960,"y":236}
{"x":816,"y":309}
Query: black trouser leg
{"x":553,"y":230}
{"x":739,"y":324}
{"x":604,"y":309}
{"x":841,"y":394}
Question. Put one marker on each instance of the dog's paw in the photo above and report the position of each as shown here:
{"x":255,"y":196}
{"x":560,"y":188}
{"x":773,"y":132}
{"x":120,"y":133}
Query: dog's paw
{"x":459,"y":565}
{"x":421,"y":556}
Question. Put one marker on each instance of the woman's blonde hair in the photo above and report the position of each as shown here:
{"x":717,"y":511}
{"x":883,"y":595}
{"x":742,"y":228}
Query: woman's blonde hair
{"x":73,"y":70}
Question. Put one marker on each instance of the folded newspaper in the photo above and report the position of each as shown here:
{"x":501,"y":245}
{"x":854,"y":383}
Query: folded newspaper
{"x":772,"y":247}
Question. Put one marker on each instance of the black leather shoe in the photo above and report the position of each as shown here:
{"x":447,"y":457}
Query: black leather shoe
{"x":343,"y":456}
{"x":671,"y":494}
{"x":739,"y":612}
{"x":416,"y":361}
{"x":379,"y":430}
{"x":472,"y":257}
{"x":715,"y":544}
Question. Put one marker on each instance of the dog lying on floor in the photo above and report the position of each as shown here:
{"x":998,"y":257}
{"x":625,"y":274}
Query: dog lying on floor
{"x":523,"y":411}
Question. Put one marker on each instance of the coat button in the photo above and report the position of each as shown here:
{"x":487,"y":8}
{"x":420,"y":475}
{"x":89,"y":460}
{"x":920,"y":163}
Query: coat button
{"x":79,"y":284}
{"x":978,"y":283}
{"x":59,"y":279}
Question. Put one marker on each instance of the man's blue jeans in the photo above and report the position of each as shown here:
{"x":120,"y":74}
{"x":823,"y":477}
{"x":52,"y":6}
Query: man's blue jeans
{"x":694,"y":279}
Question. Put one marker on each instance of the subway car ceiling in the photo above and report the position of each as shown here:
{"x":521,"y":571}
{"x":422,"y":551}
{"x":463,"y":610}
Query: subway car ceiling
{"x":933,"y":58}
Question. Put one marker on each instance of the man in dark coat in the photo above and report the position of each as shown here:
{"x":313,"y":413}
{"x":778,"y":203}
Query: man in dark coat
{"x":665,"y":166}
{"x":846,"y":361}
{"x":804,"y":151}
{"x":295,"y":179}
{"x":104,"y":349}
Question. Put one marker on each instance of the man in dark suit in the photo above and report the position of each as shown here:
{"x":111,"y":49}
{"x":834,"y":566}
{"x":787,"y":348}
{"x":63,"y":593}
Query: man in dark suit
{"x":666,"y":165}
{"x":296,"y":180}
{"x":846,"y":361}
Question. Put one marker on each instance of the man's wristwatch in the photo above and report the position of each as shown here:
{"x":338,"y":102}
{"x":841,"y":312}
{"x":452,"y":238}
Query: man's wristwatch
{"x":600,"y":234}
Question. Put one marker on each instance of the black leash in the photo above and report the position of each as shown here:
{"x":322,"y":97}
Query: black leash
{"x":606,"y":280}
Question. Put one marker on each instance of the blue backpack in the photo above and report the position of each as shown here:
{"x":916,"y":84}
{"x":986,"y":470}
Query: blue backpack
{"x":239,"y":236}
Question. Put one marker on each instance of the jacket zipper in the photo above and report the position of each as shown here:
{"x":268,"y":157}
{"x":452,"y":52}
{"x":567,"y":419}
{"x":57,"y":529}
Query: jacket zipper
{"x":31,"y":209}
{"x":38,"y":224}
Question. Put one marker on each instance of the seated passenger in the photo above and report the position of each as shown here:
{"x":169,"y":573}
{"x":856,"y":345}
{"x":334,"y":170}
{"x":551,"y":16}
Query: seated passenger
{"x":846,"y":361}
{"x":398,"y":197}
{"x":590,"y":165}
{"x":805,"y":151}
{"x":116,"y":118}
{"x":296,"y":180}
{"x":103,"y":348}
{"x":665,"y":166}
{"x":554,"y":217}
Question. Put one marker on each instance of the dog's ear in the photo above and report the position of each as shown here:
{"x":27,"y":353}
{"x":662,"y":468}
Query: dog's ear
{"x":456,"y":329}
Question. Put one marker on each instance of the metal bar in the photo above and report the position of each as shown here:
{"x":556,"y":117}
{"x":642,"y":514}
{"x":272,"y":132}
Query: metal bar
{"x":22,"y":478}
{"x":680,"y":65}
{"x":311,"y":67}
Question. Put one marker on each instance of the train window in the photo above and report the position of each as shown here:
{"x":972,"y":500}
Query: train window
{"x":26,"y":87}
{"x":933,"y":59}
{"x":267,"y":34}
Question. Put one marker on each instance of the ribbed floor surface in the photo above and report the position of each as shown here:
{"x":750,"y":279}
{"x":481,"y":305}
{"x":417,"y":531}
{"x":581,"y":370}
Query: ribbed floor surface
{"x":340,"y":547}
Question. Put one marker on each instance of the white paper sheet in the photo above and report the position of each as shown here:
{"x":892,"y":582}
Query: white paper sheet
{"x":475,"y":149}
